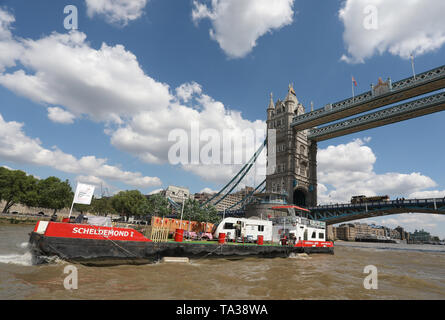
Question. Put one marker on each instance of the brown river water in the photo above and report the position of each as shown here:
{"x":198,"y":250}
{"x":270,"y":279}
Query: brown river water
{"x":404,"y":272}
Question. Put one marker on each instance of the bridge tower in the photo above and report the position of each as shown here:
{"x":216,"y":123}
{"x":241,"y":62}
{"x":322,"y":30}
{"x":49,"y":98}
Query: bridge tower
{"x":295,"y":172}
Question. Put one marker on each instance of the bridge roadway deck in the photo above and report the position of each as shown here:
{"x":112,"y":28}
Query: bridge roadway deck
{"x":332,"y":214}
{"x":413,"y":109}
{"x":426,"y":82}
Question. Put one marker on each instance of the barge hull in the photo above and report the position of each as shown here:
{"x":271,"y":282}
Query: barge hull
{"x":108,"y":252}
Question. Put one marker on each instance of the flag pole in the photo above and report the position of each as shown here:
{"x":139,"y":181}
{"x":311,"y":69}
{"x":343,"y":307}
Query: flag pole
{"x":412,"y":65}
{"x":182,"y":211}
{"x":74,"y":198}
{"x":71,"y":210}
{"x":352,"y":84}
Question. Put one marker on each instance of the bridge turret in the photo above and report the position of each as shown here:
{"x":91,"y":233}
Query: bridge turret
{"x":294,"y":168}
{"x":291,"y":100}
{"x":271,"y":108}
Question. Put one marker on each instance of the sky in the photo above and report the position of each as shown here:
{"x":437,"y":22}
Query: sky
{"x":105,"y":98}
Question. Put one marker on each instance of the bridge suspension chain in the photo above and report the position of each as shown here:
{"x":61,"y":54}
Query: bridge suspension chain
{"x":174,"y":203}
{"x":237,"y":179}
{"x":249,"y":197}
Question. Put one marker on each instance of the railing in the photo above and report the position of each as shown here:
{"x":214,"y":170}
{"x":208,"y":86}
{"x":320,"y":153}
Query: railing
{"x":159,"y":234}
{"x":397,"y":87}
{"x":406,"y":203}
{"x":379,"y":115}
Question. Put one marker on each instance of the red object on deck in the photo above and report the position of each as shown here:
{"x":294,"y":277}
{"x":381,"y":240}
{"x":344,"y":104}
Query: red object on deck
{"x":66,"y":220}
{"x":315,"y":244}
{"x":222,"y":238}
{"x":179,"y":235}
{"x":260,"y":240}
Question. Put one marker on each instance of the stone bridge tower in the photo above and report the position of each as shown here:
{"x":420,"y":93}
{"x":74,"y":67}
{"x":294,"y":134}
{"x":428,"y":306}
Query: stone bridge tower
{"x":295,"y":170}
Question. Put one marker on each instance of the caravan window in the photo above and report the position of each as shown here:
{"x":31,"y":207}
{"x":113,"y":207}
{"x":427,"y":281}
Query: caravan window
{"x":260,"y":228}
{"x":228,"y":225}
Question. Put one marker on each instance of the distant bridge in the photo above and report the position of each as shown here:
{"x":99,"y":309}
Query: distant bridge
{"x":332,"y":214}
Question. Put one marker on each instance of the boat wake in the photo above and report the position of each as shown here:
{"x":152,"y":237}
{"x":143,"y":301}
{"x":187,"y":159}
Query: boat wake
{"x":303,"y":256}
{"x":24,"y":259}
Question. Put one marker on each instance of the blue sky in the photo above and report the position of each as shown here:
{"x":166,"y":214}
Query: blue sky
{"x":154,"y":47}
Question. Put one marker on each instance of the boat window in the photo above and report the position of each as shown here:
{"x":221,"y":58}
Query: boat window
{"x":228,"y":225}
{"x":321,"y":235}
{"x":260,"y":228}
{"x":314,"y":235}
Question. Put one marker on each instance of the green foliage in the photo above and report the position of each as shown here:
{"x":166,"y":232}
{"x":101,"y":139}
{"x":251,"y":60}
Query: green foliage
{"x":82,"y":208}
{"x":158,"y":205}
{"x":54,"y":194}
{"x":130,"y":203}
{"x":17,"y":187}
{"x":193,"y":212}
{"x":102,"y":206}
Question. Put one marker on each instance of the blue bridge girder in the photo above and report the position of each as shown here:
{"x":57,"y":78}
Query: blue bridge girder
{"x":338,"y":213}
{"x":401,"y":112}
{"x":408,"y":88}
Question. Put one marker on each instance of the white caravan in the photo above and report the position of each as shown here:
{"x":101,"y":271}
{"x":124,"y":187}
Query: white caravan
{"x":244,"y":228}
{"x":298,"y":229}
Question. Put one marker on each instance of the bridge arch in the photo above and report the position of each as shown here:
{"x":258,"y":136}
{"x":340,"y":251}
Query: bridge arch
{"x":300,"y":197}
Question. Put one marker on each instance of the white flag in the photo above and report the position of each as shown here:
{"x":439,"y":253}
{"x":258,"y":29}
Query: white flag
{"x":84,"y":193}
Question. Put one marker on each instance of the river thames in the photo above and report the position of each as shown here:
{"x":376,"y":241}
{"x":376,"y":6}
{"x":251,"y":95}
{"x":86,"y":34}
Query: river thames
{"x":404,"y":272}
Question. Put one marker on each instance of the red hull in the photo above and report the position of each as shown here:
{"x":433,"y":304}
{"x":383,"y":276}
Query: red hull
{"x":315,"y":244}
{"x":83,"y":231}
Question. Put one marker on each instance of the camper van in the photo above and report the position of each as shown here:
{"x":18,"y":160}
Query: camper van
{"x":243,"y":228}
{"x":298,"y":229}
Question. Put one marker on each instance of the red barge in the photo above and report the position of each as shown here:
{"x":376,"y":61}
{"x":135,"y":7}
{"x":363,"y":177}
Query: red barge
{"x":92,"y":244}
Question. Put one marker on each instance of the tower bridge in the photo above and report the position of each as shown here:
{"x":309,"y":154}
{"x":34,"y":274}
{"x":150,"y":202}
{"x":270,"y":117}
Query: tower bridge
{"x":295,"y":173}
{"x":413,"y":109}
{"x":333,"y":214}
{"x":383,"y":94}
{"x":295,"y":136}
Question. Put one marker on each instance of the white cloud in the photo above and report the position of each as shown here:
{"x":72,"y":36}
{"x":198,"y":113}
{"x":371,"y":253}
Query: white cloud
{"x":59,"y":115}
{"x":156,"y":191}
{"x":414,"y":26}
{"x":432,"y":223}
{"x":427,"y":194}
{"x":106,"y":84}
{"x":186,"y":91}
{"x":16,"y":147}
{"x":208,"y":190}
{"x":155,"y":126}
{"x":9,"y":49}
{"x":348,"y":169}
{"x":116,"y":11}
{"x":237,"y":25}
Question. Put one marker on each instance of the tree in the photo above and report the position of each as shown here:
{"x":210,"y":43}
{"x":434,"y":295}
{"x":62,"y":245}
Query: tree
{"x":158,"y":205}
{"x":16,"y":187}
{"x":130,"y":203}
{"x":54,"y":193}
{"x":193,"y":211}
{"x":102,"y":206}
{"x":81,"y":207}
